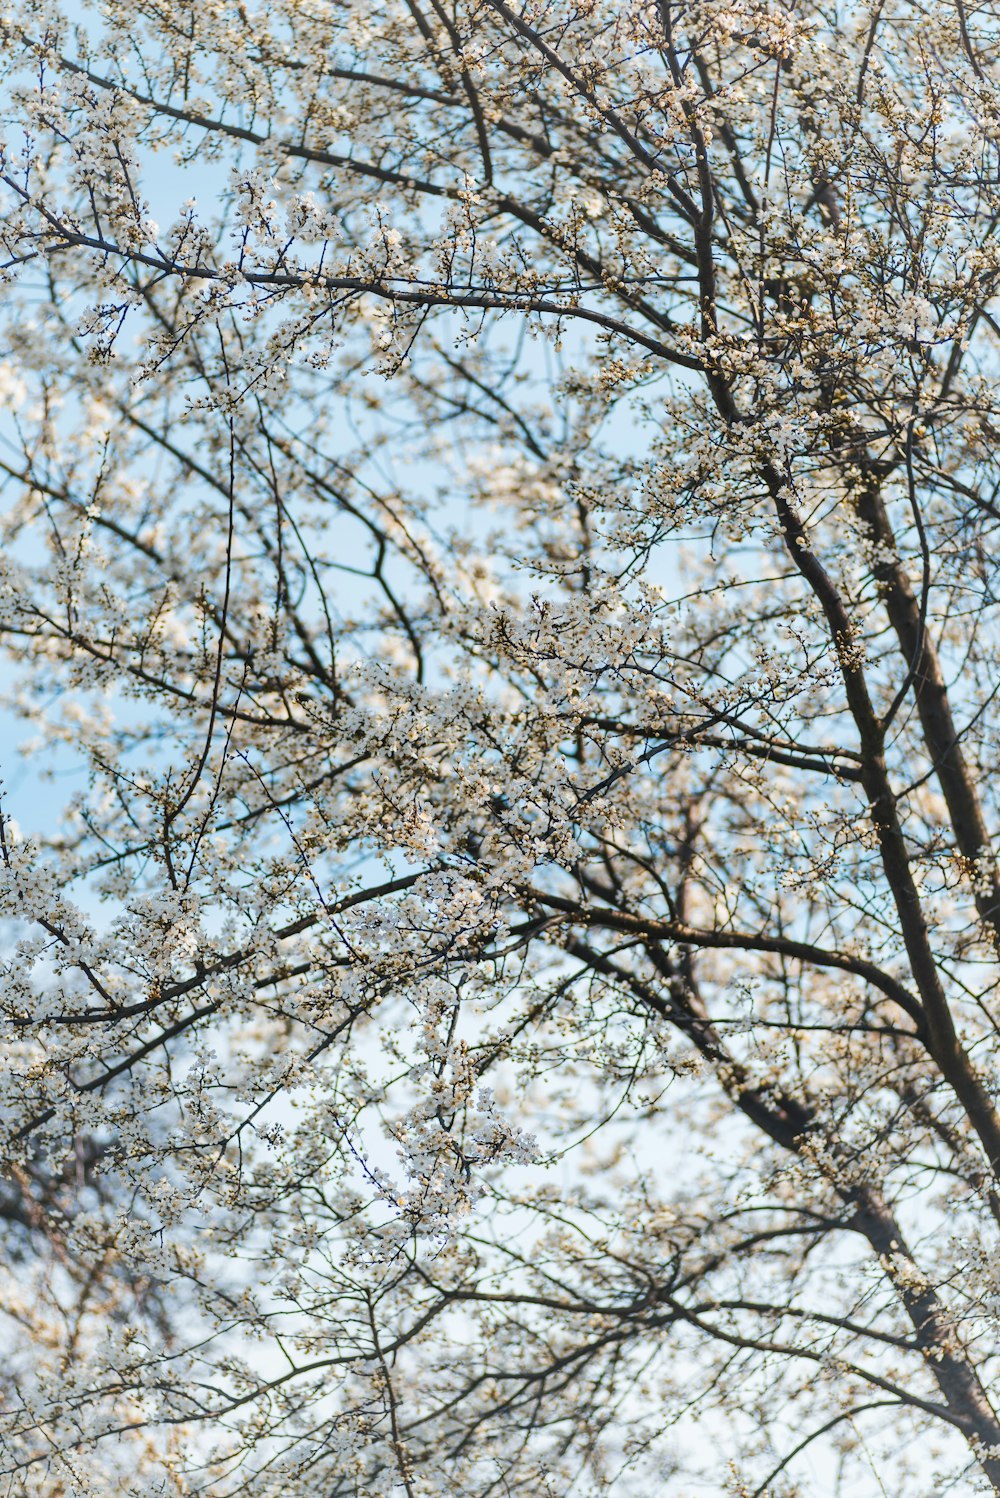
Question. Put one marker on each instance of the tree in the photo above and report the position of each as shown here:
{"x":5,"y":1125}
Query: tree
{"x":508,"y":565}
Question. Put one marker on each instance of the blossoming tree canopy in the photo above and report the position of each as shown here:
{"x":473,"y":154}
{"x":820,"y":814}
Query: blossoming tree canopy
{"x":500,"y":512}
